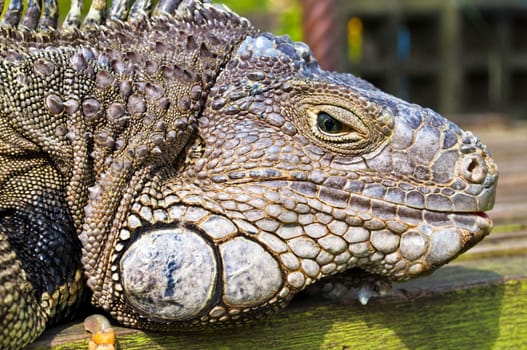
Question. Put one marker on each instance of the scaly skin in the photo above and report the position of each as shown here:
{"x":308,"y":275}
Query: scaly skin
{"x":202,"y":173}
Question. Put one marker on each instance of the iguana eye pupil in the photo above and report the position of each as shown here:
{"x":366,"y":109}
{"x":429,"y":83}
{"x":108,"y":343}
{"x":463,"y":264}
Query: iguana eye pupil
{"x":328,"y":124}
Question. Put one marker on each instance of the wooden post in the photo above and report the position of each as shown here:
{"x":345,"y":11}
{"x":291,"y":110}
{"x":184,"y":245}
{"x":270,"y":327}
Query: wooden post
{"x":323,"y":32}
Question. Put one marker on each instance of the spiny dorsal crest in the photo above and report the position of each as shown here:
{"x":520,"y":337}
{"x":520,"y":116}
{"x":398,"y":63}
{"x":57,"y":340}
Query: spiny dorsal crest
{"x":43,"y":15}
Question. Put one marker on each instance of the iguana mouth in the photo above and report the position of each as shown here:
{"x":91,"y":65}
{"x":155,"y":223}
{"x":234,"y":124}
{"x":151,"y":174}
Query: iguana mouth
{"x":345,"y":197}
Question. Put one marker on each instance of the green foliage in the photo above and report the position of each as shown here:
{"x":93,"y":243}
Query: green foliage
{"x":288,"y":13}
{"x":290,"y":22}
{"x":245,"y":5}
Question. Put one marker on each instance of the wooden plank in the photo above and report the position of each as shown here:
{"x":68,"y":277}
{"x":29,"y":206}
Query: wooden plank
{"x":461,"y":307}
{"x":478,"y":301}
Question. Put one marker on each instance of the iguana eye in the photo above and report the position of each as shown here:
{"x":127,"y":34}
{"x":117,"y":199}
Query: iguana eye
{"x":326,"y":123}
{"x":336,"y":124}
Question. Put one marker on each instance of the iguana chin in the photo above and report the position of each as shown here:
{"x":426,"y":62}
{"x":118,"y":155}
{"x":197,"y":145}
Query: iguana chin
{"x":193,"y":171}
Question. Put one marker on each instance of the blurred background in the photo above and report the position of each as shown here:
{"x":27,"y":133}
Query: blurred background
{"x":464,"y":57}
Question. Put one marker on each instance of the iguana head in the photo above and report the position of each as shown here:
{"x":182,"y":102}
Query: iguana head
{"x":411,"y":186}
{"x":402,"y":187}
{"x":294,"y":174}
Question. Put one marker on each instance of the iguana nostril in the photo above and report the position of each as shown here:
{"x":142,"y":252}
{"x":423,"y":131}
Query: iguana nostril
{"x":474,"y":168}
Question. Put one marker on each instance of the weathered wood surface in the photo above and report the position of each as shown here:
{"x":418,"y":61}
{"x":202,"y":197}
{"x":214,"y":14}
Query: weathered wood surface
{"x":477,"y":302}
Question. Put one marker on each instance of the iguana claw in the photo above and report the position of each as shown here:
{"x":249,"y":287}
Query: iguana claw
{"x":103,"y":335}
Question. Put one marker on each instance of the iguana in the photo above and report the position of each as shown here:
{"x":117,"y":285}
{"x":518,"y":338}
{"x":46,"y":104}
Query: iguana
{"x":194,"y":171}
